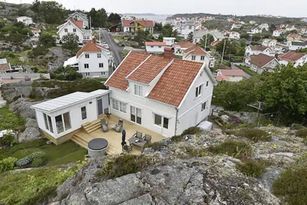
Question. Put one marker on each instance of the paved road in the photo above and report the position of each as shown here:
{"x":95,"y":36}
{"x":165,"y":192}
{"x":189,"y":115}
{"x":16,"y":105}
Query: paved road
{"x":117,"y":50}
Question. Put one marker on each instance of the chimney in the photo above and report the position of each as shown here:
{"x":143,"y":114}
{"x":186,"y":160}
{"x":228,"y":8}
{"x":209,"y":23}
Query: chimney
{"x":169,"y":52}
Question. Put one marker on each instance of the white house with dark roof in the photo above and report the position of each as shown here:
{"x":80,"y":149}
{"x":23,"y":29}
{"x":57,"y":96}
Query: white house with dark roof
{"x":295,"y":58}
{"x":257,"y":49}
{"x":79,"y":16}
{"x":261,"y":62}
{"x":92,"y":60}
{"x":25,"y":20}
{"x":76,"y":27}
{"x":161,"y":93}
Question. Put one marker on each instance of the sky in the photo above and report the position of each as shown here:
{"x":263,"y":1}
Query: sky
{"x":292,"y":8}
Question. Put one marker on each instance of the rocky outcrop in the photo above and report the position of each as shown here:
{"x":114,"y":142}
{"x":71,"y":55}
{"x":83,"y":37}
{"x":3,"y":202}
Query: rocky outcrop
{"x":23,"y":107}
{"x":56,"y":57}
{"x":31,"y":132}
{"x":11,"y":92}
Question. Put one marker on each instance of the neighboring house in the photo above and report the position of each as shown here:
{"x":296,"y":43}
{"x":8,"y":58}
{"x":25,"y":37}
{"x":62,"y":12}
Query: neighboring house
{"x":92,"y":60}
{"x":4,"y":65}
{"x":25,"y":20}
{"x":256,"y":30}
{"x":197,"y":54}
{"x":61,"y":117}
{"x":181,"y":46}
{"x":294,"y":37}
{"x":75,"y":27}
{"x":169,"y":41}
{"x":36,"y":32}
{"x":256,"y":50}
{"x":295,"y":58}
{"x":261,"y":62}
{"x":296,"y":45}
{"x":185,"y":28}
{"x":236,"y":26}
{"x":264,"y":26}
{"x":269,"y":42}
{"x":278,"y":32}
{"x":79,"y":16}
{"x":231,"y":75}
{"x":234,"y":35}
{"x":161,"y":93}
{"x":135,"y":25}
{"x":155,"y":47}
{"x":199,"y":34}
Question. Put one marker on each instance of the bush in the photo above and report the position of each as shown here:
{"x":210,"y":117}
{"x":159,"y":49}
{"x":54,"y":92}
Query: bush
{"x":235,"y":149}
{"x":7,"y":164}
{"x":7,"y":140}
{"x":194,"y":152}
{"x":124,"y":164}
{"x":156,"y":146}
{"x":24,"y":162}
{"x":177,"y":138}
{"x":292,"y":185}
{"x":252,"y":134}
{"x":301,"y":133}
{"x":191,"y":131}
{"x":253,"y":168}
{"x":38,"y":159}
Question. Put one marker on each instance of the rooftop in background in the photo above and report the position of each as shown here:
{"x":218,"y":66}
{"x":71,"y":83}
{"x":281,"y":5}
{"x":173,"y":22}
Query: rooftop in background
{"x":155,"y":43}
{"x":90,"y":47}
{"x":68,"y":100}
{"x":143,"y":22}
{"x":292,"y":56}
{"x":260,"y":60}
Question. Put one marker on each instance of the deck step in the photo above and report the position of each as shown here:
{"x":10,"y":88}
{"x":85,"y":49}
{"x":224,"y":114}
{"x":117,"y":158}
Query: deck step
{"x":92,"y":126}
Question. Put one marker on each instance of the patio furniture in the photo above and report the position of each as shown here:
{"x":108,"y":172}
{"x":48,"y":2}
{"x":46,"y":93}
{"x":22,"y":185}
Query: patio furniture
{"x":104,"y":125}
{"x":147,"y":138}
{"x":119,"y":126}
{"x":139,"y":141}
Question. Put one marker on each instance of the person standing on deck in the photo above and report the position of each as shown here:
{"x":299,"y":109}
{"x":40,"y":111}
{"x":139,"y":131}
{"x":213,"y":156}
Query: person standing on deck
{"x":123,"y":137}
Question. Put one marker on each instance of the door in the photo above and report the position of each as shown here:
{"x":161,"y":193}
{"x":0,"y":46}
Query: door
{"x":100,"y":106}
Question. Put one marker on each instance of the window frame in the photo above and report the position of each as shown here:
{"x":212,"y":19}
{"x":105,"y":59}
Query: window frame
{"x":138,"y":90}
{"x":198,"y":91}
{"x":99,"y":65}
{"x":87,"y":55}
{"x":86,"y":66}
{"x":83,"y":113}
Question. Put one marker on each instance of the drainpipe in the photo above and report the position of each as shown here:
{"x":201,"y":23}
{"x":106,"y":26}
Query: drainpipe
{"x":176,"y":121}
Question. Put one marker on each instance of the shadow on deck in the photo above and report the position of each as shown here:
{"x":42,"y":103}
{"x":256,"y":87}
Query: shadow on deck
{"x":93,"y":130}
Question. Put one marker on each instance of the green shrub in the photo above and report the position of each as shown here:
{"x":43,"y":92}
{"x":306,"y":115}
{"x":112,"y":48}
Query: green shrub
{"x":296,"y":126}
{"x":7,"y":164}
{"x":7,"y":140}
{"x":24,"y":162}
{"x":124,"y":164}
{"x":235,"y":149}
{"x":177,"y":138}
{"x":301,"y":133}
{"x":38,"y":159}
{"x":253,"y":168}
{"x":191,"y":131}
{"x":195,"y":152}
{"x":253,"y":134}
{"x":10,"y":120}
{"x":292,"y":186}
{"x":156,"y":146}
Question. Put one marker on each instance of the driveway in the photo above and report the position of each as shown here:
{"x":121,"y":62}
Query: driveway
{"x":116,"y":50}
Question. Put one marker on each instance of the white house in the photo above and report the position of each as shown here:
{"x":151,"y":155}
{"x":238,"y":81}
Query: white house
{"x":278,"y":32}
{"x":185,"y":28}
{"x":255,"y":30}
{"x":92,"y":60}
{"x":181,"y":46}
{"x":256,"y":50}
{"x":155,"y":47}
{"x":269,"y":42}
{"x":161,"y":93}
{"x":234,"y":35}
{"x":198,"y":54}
{"x":25,"y":20}
{"x":296,"y":45}
{"x":295,"y":58}
{"x":60,"y":117}
{"x":79,"y":16}
{"x":261,"y":62}
{"x":75,"y":27}
{"x":4,"y":65}
{"x":169,"y":41}
{"x":264,"y":26}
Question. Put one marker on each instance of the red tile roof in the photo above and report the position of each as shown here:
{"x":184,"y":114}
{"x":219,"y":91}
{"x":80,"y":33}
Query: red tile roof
{"x":142,"y":67}
{"x":260,"y":60}
{"x":185,"y":44}
{"x":118,"y":78}
{"x":292,"y":56}
{"x":144,"y":23}
{"x":195,"y":50}
{"x":175,"y":82}
{"x":258,"y":48}
{"x":223,"y":74}
{"x":149,"y":69}
{"x":90,"y":47}
{"x":78,"y":23}
{"x":155,"y":43}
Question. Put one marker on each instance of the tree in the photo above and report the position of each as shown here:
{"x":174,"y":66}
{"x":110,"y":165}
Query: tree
{"x":67,"y":73}
{"x":70,"y":42}
{"x":206,"y":40}
{"x":114,"y":19}
{"x":47,"y":40}
{"x":167,"y":31}
{"x":158,"y":27}
{"x":49,"y":12}
{"x":140,"y":37}
{"x":98,"y":18}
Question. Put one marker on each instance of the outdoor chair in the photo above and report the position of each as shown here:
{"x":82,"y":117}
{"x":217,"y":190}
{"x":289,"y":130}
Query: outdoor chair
{"x":104,"y":125}
{"x":138,"y":135}
{"x":119,"y":126}
{"x":147,"y":138}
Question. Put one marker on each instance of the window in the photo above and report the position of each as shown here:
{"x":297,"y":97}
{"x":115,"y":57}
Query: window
{"x":198,"y":91}
{"x":123,"y":107}
{"x":83,"y":113}
{"x":138,"y":90}
{"x":59,"y":124}
{"x":207,"y":83}
{"x":46,"y":122}
{"x":87,"y":55}
{"x":98,"y":55}
{"x":159,"y":120}
{"x":100,"y":65}
{"x":203,"y":106}
{"x":193,"y":58}
{"x":104,"y":73}
{"x":74,"y":30}
{"x":50,"y":124}
{"x":115,"y":105}
{"x":202,"y":58}
{"x":65,"y":30}
{"x":86,"y":65}
{"x":67,"y":124}
{"x":87,"y":74}
{"x":136,"y":115}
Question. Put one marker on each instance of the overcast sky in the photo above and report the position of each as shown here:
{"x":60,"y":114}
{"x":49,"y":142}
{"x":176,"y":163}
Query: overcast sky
{"x":295,"y":8}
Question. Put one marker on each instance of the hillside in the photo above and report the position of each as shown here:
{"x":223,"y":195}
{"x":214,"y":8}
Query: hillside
{"x":11,"y":11}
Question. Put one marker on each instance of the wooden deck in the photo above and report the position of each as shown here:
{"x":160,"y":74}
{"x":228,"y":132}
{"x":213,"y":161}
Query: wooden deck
{"x":93,"y":130}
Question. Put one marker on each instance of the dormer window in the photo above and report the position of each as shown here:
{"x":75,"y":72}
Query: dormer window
{"x":193,"y":58}
{"x":74,"y":30}
{"x":138,"y":90}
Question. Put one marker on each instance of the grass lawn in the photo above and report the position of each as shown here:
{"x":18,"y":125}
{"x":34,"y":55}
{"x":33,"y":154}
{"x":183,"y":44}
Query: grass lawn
{"x":10,"y":120}
{"x":56,"y":154}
